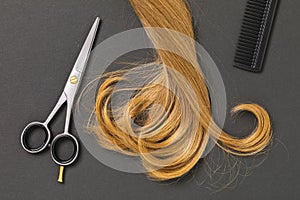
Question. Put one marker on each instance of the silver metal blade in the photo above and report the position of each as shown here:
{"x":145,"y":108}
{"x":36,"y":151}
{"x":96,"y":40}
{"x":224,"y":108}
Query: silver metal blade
{"x":86,"y":48}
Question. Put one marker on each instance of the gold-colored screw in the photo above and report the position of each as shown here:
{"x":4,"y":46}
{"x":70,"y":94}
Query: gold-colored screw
{"x":73,"y":79}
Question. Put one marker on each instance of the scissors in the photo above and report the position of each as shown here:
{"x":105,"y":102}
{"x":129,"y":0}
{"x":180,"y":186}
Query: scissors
{"x":67,"y":96}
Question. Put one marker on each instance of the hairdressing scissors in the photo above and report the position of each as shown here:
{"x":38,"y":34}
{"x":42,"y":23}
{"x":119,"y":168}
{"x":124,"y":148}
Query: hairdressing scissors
{"x":67,"y":96}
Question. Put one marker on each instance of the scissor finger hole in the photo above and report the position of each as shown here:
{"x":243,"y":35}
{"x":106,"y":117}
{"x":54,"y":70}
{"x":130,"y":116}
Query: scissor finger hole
{"x":64,"y":149}
{"x":35,"y":137}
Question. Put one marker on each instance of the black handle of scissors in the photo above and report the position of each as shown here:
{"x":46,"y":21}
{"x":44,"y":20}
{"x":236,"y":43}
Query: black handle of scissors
{"x":53,"y":147}
{"x":28,"y":130}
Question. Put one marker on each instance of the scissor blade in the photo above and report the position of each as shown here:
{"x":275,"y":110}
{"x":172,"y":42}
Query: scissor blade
{"x":86,"y":48}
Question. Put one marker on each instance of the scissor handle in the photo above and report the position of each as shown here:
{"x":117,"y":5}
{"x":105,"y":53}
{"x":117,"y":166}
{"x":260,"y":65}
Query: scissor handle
{"x":28,"y":130}
{"x":55,"y":157}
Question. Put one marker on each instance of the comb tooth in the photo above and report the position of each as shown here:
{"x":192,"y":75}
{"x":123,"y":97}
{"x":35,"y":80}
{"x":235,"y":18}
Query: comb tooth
{"x":252,"y":19}
{"x":255,"y":14}
{"x":248,"y":31}
{"x":252,"y":43}
{"x":245,"y":37}
{"x":246,"y":27}
{"x":256,"y":11}
{"x":258,"y":3}
{"x":238,"y":60}
{"x":245,"y":46}
{"x":243,"y":58}
{"x":256,"y":8}
{"x":249,"y":35}
{"x":244,"y":62}
{"x":251,"y":26}
{"x":250,"y":49}
{"x":254,"y":25}
{"x":239,"y":65}
{"x":243,"y":43}
{"x":244,"y":50}
{"x":262,"y":1}
{"x":244,"y":55}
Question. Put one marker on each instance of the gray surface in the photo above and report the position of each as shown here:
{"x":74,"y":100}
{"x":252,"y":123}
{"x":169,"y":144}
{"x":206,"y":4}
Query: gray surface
{"x":39,"y":41}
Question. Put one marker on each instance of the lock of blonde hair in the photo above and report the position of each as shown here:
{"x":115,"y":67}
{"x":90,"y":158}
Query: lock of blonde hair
{"x":171,"y":137}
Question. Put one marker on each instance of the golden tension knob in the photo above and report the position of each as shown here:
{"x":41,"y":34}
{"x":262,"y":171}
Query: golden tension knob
{"x":73,"y":79}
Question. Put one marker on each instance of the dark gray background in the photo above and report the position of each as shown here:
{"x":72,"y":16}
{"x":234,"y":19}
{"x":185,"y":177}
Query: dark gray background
{"x":39,"y":41}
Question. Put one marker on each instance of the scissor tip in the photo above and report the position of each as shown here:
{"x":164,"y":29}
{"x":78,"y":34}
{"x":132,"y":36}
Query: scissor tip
{"x":97,"y":19}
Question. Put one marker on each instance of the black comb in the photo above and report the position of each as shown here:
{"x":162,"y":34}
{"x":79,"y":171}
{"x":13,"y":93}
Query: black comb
{"x":254,"y":35}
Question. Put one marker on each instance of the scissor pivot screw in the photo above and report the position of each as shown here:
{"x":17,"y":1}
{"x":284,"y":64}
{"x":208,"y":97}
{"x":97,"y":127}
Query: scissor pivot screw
{"x":73,"y":79}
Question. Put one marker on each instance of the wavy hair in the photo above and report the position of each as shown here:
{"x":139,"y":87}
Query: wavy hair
{"x":168,"y":120}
